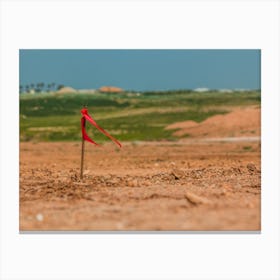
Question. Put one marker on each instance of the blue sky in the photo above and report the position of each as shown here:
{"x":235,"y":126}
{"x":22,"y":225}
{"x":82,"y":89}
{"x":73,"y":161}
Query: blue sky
{"x":142,"y":69}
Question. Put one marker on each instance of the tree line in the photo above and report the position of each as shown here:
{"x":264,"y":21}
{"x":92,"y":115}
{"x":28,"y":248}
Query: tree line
{"x":39,"y":87}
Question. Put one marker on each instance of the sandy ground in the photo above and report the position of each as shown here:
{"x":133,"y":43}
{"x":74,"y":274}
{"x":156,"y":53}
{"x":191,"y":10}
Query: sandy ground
{"x":179,"y":186}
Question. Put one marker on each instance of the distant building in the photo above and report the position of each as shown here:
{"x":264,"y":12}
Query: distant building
{"x":241,"y":89}
{"x":201,"y":89}
{"x":225,"y":90}
{"x":110,"y":89}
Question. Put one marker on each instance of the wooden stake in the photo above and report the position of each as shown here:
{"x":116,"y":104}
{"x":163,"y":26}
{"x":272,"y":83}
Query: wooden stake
{"x":82,"y":158}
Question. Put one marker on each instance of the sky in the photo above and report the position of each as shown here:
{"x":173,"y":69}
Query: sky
{"x":142,"y":69}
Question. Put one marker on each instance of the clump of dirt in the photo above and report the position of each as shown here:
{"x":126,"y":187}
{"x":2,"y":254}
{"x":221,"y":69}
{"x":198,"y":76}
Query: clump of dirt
{"x":239,"y":122}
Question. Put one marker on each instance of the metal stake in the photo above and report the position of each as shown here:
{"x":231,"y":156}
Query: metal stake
{"x":82,"y":158}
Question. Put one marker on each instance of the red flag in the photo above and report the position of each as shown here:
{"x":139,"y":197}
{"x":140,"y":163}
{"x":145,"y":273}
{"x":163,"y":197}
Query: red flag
{"x":85,"y":117}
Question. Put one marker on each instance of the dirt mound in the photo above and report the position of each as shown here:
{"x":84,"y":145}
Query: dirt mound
{"x":110,"y":89}
{"x":240,"y":122}
{"x":66,"y":90}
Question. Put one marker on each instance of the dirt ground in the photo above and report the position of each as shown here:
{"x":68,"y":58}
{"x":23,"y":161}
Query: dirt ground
{"x":181,"y":186}
{"x":239,"y":122}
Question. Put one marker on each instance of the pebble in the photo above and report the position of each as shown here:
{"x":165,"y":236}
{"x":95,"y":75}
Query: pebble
{"x":107,"y":177}
{"x":226,"y":186}
{"x":114,"y":181}
{"x":225,"y":193}
{"x":146,"y":183}
{"x":178,"y":174}
{"x":196,"y":199}
{"x":132,"y":183}
{"x":39,"y":217}
{"x":251,"y":167}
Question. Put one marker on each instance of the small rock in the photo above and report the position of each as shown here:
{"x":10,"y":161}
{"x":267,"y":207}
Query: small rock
{"x":224,"y":193}
{"x":132,"y":183}
{"x":146,"y":183}
{"x":107,"y":177}
{"x":251,"y":168}
{"x":39,"y":217}
{"x":178,"y":174}
{"x":135,"y":183}
{"x":114,"y":181}
{"x":196,"y":199}
{"x":225,"y":186}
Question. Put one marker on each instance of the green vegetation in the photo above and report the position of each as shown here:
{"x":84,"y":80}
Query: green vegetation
{"x":128,"y":115}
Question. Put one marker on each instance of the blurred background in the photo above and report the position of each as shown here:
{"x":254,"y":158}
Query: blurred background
{"x":139,"y":95}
